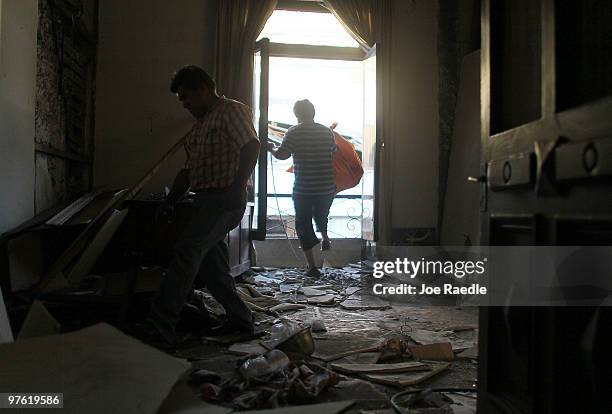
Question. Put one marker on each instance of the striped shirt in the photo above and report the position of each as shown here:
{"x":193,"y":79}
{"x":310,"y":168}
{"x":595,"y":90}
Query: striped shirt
{"x":214,"y":143}
{"x":312,"y":146}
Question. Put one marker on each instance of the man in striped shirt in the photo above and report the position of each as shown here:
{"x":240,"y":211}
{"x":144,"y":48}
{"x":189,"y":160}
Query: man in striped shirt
{"x":312,"y":146}
{"x":222,"y":150}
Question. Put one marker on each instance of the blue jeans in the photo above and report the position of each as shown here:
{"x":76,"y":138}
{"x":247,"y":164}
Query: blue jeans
{"x":201,"y":258}
{"x":308,"y":207}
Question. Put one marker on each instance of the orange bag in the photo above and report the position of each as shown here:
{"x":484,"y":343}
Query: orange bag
{"x":347,"y":164}
{"x":348,"y":169}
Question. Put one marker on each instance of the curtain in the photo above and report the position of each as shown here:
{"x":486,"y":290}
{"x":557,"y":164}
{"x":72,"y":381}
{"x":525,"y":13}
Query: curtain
{"x":369,"y":21}
{"x":357,"y":17}
{"x":239,"y":22}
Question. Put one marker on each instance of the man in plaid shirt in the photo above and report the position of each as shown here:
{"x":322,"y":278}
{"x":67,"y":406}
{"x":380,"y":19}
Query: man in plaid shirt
{"x":222,"y":150}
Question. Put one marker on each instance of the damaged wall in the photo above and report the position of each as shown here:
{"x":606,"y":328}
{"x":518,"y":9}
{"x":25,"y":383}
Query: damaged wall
{"x":50,"y":120}
{"x":64,"y":92}
{"x":18,"y":23}
{"x":141,"y":44}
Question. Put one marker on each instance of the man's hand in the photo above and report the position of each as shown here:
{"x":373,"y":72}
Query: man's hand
{"x":271,"y":146}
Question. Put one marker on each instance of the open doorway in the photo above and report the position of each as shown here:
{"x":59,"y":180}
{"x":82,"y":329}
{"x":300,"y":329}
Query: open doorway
{"x":311,"y":56}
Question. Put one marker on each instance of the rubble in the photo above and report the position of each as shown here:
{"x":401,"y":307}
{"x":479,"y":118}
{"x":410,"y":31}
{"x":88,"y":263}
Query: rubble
{"x":313,"y":338}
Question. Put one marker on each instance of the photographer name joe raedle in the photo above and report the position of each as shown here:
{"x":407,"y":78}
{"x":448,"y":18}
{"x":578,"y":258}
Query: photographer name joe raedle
{"x":424,"y":289}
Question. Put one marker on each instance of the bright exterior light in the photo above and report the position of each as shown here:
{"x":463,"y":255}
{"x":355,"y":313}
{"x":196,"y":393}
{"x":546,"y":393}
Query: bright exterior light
{"x":293,"y":27}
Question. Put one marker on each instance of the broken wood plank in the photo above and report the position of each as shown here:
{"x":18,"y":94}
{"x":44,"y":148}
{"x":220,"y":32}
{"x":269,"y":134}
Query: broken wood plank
{"x":33,"y":222}
{"x":286,"y":307}
{"x":79,"y":204}
{"x":38,"y":322}
{"x":406,"y":379}
{"x":381,"y":368}
{"x":92,"y":252}
{"x":77,"y":246}
{"x":375,"y":347}
{"x":310,"y":292}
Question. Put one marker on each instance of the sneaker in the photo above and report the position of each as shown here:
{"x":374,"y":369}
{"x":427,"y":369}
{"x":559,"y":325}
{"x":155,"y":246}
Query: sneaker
{"x":325,"y":245}
{"x":149,"y":334}
{"x":313,"y":272}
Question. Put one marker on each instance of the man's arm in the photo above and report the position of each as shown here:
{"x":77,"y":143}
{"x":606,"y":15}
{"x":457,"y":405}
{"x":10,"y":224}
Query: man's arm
{"x":249,"y":153}
{"x":278,"y":152}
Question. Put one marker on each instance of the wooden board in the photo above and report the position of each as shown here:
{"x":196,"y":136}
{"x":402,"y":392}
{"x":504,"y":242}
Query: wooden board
{"x":67,"y":213}
{"x":406,"y":379}
{"x":381,"y":368}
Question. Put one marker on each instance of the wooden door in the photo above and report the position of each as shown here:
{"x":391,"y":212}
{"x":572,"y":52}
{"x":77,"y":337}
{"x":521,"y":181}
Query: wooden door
{"x":546,"y":133}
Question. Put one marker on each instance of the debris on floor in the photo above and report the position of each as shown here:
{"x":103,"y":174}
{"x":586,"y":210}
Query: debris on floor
{"x":320,"y":345}
{"x":322,"y":334}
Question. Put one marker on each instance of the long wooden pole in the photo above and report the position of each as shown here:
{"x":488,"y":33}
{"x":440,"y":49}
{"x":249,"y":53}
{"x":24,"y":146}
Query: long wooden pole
{"x":77,"y":246}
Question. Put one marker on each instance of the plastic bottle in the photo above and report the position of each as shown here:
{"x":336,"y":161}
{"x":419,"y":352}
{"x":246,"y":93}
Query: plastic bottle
{"x":268,"y":363}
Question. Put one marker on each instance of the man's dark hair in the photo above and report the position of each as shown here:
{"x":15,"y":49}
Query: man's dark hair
{"x":305,"y":109}
{"x":191,"y":77}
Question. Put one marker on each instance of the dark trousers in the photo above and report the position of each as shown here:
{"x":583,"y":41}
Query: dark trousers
{"x":201,"y":258}
{"x":308,"y":207}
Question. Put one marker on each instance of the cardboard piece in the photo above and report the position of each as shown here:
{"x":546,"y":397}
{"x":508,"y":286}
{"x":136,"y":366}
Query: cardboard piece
{"x":350,"y":290}
{"x":406,"y":379}
{"x":357,"y":302}
{"x":309,"y":292}
{"x":98,"y":369}
{"x":38,"y":322}
{"x":6,"y":334}
{"x":326,"y":299}
{"x":442,"y":351}
{"x":424,"y":337}
{"x":285,"y":307}
{"x":381,"y":368}
{"x":325,"y":408}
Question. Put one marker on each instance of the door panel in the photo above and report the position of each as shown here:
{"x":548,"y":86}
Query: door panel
{"x":546,"y":134}
{"x":259,"y":195}
{"x":369,"y":147}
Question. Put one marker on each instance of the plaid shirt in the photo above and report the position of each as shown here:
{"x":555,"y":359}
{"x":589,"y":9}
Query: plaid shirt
{"x":214,"y":143}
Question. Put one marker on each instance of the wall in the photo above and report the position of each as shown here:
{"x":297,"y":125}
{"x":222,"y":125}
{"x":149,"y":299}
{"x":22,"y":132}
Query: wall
{"x":141,"y":44}
{"x":64,"y":101}
{"x":18,"y":24}
{"x":414,"y":141}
